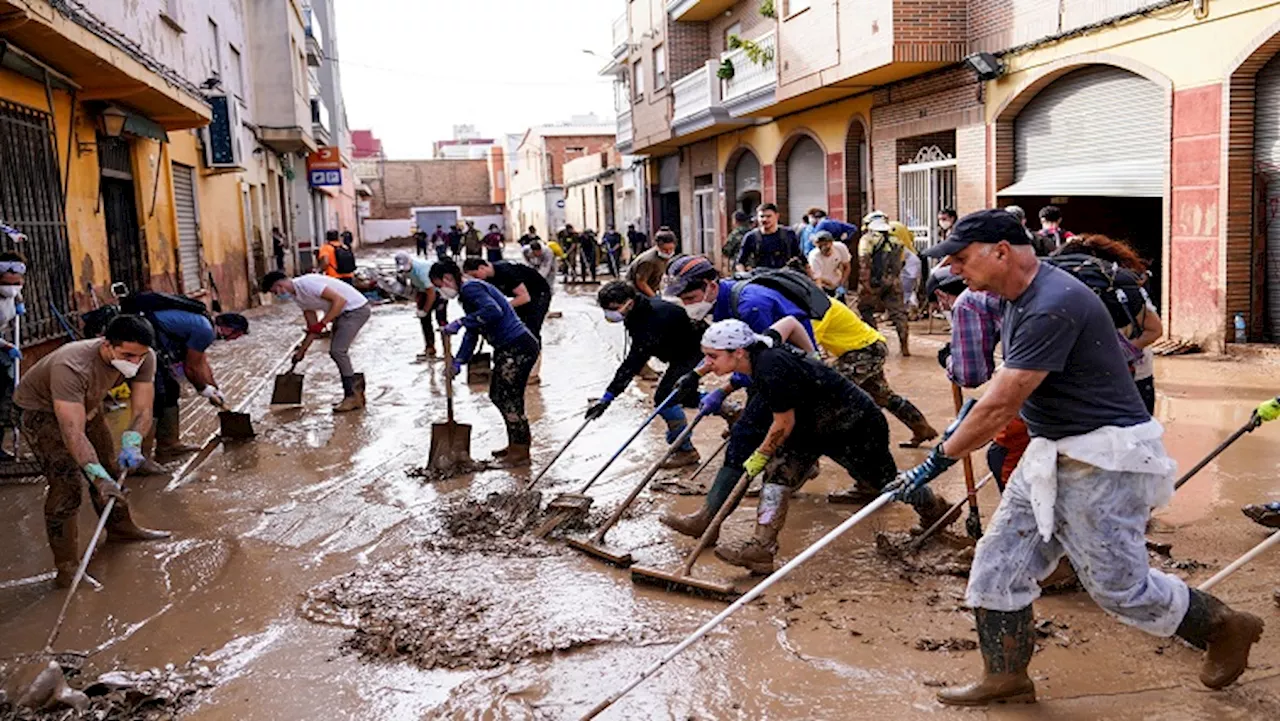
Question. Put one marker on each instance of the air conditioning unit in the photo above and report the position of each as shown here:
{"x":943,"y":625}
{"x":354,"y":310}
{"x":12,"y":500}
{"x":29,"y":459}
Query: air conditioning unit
{"x":222,"y":145}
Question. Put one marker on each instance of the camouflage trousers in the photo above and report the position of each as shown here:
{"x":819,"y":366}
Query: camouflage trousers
{"x":865,"y":368}
{"x":889,"y":299}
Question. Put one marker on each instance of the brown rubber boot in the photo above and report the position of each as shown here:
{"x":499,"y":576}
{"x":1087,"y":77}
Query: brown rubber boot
{"x":932,"y":507}
{"x":904,"y":344}
{"x":121,"y":526}
{"x":64,"y":541}
{"x":350,"y":397}
{"x":757,"y":554}
{"x":682,"y":459}
{"x":1007,"y":642}
{"x":169,"y":445}
{"x":1225,"y":634}
{"x":517,"y":456}
{"x":905,"y":411}
{"x":692,"y":525}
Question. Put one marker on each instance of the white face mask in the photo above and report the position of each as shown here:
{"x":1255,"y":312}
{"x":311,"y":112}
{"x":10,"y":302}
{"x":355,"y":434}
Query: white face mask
{"x":448,"y":293}
{"x":614,"y":316}
{"x":665,"y":255}
{"x":699,"y":310}
{"x":127,"y":369}
{"x":9,"y":291}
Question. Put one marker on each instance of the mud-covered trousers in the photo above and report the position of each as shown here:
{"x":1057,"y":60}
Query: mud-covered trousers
{"x":864,"y":368}
{"x":888,"y":297}
{"x":345,"y":329}
{"x":1100,"y":518}
{"x":512,"y":364}
{"x":441,"y":312}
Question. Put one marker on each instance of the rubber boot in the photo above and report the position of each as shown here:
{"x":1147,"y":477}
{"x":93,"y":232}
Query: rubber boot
{"x":692,"y":525}
{"x":350,"y":401}
{"x":64,"y":541}
{"x":169,"y":444}
{"x":756,"y":555}
{"x":1007,"y":642}
{"x":516,"y":456}
{"x":904,"y":339}
{"x":1264,"y":514}
{"x":905,"y":411}
{"x":360,"y":388}
{"x":1226,"y":636}
{"x":932,"y":507}
{"x":686,"y":455}
{"x":120,"y":525}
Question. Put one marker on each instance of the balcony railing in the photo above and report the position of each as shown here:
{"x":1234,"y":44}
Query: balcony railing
{"x":621,"y":36}
{"x":753,"y":85}
{"x":697,"y":100}
{"x":625,"y":133}
{"x":315,"y":39}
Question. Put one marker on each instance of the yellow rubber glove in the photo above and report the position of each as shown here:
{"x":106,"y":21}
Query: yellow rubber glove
{"x":755,"y":464}
{"x":1269,"y":410}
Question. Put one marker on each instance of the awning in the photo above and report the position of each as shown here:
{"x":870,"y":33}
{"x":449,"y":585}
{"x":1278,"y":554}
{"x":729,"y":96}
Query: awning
{"x":143,"y":127}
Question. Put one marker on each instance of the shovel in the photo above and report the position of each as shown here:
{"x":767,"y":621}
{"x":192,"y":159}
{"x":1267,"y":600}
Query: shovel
{"x":595,"y":546}
{"x":480,"y":367}
{"x":450,"y":441}
{"x":569,"y":505}
{"x":972,"y":524}
{"x":288,"y":387}
{"x":234,"y":425}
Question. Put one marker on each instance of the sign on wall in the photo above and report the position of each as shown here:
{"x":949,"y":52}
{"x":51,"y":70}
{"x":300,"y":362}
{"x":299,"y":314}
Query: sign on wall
{"x":324,"y":167}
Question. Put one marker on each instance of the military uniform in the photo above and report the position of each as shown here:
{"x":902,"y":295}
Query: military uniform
{"x":882,"y":292}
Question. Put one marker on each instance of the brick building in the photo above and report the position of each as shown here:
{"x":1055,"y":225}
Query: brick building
{"x":1093,"y":106}
{"x":433,"y":192}
{"x":535,"y":163}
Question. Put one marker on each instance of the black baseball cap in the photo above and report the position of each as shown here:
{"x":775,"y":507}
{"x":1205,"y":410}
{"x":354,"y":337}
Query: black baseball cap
{"x":983,"y":226}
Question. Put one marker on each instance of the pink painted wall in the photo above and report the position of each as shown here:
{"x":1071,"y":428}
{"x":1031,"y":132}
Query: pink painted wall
{"x":835,"y":186}
{"x":1195,"y":287}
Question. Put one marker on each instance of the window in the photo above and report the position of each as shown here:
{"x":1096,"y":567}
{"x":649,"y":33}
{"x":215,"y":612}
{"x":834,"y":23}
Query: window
{"x":215,"y":37}
{"x":172,"y":14}
{"x":659,"y":67}
{"x":237,"y":74}
{"x":637,"y":80}
{"x":795,"y":6}
{"x":731,"y":31}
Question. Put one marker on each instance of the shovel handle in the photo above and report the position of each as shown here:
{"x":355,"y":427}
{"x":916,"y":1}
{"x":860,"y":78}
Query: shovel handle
{"x":618,"y":453}
{"x":448,"y":369}
{"x":648,"y":476}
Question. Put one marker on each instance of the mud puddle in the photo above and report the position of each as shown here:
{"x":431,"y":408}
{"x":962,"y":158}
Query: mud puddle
{"x":158,"y":694}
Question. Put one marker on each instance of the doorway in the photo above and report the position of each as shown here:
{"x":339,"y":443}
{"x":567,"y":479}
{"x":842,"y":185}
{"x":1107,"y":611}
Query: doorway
{"x":120,"y":212}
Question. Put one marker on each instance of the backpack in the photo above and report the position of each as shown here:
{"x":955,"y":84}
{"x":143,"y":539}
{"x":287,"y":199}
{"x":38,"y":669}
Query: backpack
{"x":344,"y":259}
{"x":1119,"y":288}
{"x":794,"y":285}
{"x":884,"y":256}
{"x":150,"y":301}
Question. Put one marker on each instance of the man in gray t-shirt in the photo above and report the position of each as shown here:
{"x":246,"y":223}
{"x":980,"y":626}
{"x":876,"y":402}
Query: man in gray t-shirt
{"x":1086,"y":484}
{"x":1060,"y":326}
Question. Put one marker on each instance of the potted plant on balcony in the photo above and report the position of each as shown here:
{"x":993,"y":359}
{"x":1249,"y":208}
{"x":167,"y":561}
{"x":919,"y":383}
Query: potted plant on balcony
{"x":767,"y":9}
{"x":725,"y":71}
{"x":755,"y":52}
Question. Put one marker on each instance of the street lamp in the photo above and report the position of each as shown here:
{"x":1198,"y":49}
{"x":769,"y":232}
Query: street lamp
{"x":113,"y":120}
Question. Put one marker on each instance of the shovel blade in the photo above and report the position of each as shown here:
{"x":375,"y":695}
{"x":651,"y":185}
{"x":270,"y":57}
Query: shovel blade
{"x":480,"y":368}
{"x":287,"y":390}
{"x":450,"y":445}
{"x":235,"y":426}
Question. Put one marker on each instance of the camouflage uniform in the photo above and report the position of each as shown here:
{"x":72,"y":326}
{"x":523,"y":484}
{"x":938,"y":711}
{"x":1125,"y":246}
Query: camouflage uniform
{"x":865,"y":368}
{"x":883,"y":293}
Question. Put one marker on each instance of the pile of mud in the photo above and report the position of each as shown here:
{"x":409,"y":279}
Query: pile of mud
{"x":154,"y":695}
{"x":426,"y":474}
{"x":418,"y":609}
{"x":943,"y":555}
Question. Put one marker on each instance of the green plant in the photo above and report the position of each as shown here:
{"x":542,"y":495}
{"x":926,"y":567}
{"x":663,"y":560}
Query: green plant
{"x":755,"y":52}
{"x":768,"y":10}
{"x":725,"y":71}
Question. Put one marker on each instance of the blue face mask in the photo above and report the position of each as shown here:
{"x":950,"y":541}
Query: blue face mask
{"x":614,"y":316}
{"x":284,"y":295}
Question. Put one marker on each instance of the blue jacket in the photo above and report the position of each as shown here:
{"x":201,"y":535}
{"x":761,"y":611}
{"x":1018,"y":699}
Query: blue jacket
{"x":758,"y":307}
{"x":488,"y":313}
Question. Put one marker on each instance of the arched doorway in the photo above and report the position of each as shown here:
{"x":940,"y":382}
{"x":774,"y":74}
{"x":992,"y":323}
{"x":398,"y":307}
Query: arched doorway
{"x":857,"y":178}
{"x":744,"y":187}
{"x":1095,"y":142}
{"x":805,"y":172}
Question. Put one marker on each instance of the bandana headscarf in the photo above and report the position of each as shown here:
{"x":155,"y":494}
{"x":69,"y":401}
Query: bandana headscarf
{"x":731,"y":334}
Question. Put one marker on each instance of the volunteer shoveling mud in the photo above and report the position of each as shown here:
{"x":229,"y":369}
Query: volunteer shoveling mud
{"x":316,"y":577}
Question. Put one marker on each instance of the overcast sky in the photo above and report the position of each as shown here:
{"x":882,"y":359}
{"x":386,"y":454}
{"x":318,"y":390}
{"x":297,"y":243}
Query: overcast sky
{"x":412,"y":69}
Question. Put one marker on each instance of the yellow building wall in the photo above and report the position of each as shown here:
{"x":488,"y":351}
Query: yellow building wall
{"x":828,"y":123}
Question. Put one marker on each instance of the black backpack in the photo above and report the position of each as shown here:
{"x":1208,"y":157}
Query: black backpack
{"x":883,"y":257}
{"x":1119,"y":288}
{"x":794,"y":285}
{"x":344,"y":259}
{"x":151,"y":301}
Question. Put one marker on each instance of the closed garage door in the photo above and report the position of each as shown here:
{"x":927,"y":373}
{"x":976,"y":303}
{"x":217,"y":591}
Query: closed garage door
{"x":1099,"y":131}
{"x":806,"y":179}
{"x":1266,"y":148}
{"x":184,"y":199}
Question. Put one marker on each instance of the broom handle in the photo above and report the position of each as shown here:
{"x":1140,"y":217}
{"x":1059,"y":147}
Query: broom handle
{"x":735,"y":496}
{"x":559,"y":453}
{"x":17,"y":375}
{"x":1235,"y":565}
{"x":1253,"y":422}
{"x":653,"y":471}
{"x":625,"y":446}
{"x":750,"y":596}
{"x":84,"y":565}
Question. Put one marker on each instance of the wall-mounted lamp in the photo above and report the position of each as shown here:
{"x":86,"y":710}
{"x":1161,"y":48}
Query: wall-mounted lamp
{"x":985,"y":65}
{"x":111,"y":121}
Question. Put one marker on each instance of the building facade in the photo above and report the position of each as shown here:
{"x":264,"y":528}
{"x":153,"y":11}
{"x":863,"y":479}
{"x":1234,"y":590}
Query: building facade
{"x":535,"y":167}
{"x":1141,"y":119}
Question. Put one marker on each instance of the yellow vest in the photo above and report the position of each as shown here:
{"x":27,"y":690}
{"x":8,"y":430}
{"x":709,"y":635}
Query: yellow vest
{"x":556,"y":249}
{"x":841,"y":330}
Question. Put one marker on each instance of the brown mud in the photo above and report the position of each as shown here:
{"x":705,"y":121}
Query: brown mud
{"x":158,"y":694}
{"x":317,"y":579}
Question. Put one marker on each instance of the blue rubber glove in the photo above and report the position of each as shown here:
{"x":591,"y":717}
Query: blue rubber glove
{"x":20,"y":308}
{"x":13,"y":352}
{"x":598,"y":408}
{"x":934,"y":465}
{"x":711,"y":402}
{"x":452,"y":328}
{"x":102,"y":482}
{"x":454,"y":369}
{"x":740,"y":380}
{"x":130,"y":450}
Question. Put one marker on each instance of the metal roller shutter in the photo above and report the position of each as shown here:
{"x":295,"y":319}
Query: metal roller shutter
{"x":184,"y":200}
{"x":1099,"y":131}
{"x":806,"y":179}
{"x":747,"y":174}
{"x":1266,"y":153}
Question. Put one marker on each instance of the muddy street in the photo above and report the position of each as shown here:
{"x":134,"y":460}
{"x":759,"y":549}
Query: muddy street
{"x":317,"y":576}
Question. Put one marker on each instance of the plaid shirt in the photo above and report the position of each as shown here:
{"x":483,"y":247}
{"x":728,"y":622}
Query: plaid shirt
{"x":975,"y":329}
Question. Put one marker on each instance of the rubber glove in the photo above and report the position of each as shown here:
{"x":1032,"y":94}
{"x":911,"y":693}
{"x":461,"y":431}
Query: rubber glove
{"x":452,"y":328}
{"x":944,"y":356}
{"x":740,"y":380}
{"x":102,"y":481}
{"x":315,"y":328}
{"x":688,"y":383}
{"x":13,"y":352}
{"x":214,"y":396}
{"x":1269,"y":410}
{"x":130,"y":450}
{"x":934,"y":465}
{"x":755,"y":463}
{"x":299,"y":354}
{"x":20,"y":308}
{"x":711,"y":402}
{"x":423,"y":313}
{"x":454,"y":369}
{"x":599,"y":407}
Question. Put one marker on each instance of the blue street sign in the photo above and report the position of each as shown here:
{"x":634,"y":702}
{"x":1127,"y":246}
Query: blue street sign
{"x":320,"y":178}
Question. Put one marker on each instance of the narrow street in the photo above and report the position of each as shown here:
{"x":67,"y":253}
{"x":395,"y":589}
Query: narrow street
{"x":514,"y":628}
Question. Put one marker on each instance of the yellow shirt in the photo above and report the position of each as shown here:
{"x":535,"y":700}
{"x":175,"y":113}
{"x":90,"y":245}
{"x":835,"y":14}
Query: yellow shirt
{"x":841,"y":330}
{"x":556,"y":249}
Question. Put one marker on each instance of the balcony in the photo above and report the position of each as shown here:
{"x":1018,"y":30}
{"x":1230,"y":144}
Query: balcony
{"x":697,"y":10}
{"x":625,"y":133}
{"x":753,"y":85}
{"x":320,"y":122}
{"x":697,"y":102}
{"x":621,"y":36}
{"x":315,"y":39}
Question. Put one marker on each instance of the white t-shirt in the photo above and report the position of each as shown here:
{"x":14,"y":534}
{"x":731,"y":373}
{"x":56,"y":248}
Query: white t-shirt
{"x":827,"y":267}
{"x":307,"y":289}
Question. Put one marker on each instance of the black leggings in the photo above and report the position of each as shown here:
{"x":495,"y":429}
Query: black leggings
{"x":441,"y":312}
{"x":533,"y":313}
{"x":512,"y":364}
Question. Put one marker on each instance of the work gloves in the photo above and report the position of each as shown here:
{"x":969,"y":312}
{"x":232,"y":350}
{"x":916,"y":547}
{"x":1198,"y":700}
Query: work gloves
{"x":755,"y":463}
{"x":452,"y":328}
{"x":214,"y":396}
{"x":598,"y":408}
{"x":688,"y":383}
{"x":298,"y":354}
{"x":20,"y":308}
{"x":13,"y":352}
{"x":102,"y":482}
{"x":423,"y":313}
{"x":130,"y":450}
{"x":934,"y":465}
{"x":711,"y":402}
{"x":1269,"y":410}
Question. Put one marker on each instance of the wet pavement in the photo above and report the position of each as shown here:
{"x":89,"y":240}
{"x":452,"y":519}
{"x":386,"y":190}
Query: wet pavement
{"x":286,"y":545}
